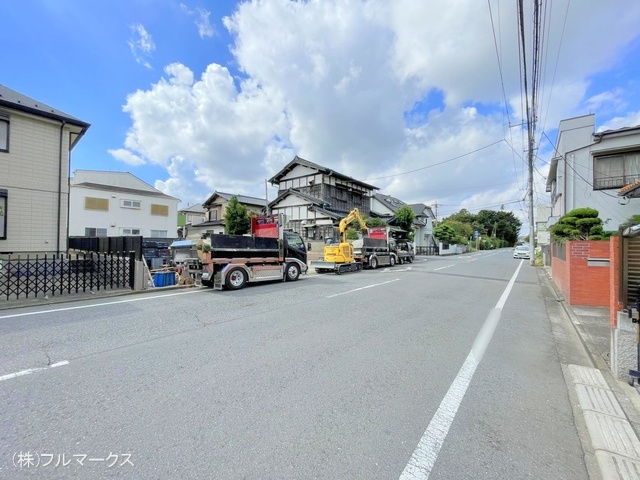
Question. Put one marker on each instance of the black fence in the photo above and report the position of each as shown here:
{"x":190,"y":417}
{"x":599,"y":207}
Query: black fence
{"x":108,"y":245}
{"x":60,"y":274}
{"x":427,"y":250}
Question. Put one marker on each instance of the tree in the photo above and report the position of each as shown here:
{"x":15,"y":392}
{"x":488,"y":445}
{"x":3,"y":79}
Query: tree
{"x":236,"y":219}
{"x":578,"y":224}
{"x":445,"y":233}
{"x":503,"y":225}
{"x":404,"y":219}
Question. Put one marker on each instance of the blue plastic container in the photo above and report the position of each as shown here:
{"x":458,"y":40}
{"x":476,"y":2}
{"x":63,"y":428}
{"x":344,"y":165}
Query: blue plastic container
{"x":159,"y":279}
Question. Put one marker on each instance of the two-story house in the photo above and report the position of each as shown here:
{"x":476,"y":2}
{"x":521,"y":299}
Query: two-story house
{"x":215,"y":208}
{"x":386,"y":206}
{"x":589,"y":168}
{"x":112,"y":204}
{"x":189,"y":217}
{"x":36,"y":141}
{"x":314,"y":198}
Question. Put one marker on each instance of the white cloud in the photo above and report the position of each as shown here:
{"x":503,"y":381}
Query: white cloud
{"x":630,"y":120}
{"x":126,"y":156}
{"x":205,"y":29}
{"x":337,"y":81}
{"x":141,"y":45}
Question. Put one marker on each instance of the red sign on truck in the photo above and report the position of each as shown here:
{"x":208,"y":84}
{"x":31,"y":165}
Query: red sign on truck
{"x":265,"y":227}
{"x":379,"y":233}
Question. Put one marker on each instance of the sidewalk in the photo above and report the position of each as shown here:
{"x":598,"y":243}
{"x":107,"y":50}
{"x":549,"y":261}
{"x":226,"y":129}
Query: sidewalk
{"x":609,"y":405}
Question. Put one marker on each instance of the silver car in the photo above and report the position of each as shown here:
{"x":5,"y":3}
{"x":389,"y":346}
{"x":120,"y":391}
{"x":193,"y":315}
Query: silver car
{"x":521,"y":251}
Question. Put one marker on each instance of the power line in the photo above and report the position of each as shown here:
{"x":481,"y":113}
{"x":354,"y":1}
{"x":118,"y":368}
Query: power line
{"x":436,"y":164}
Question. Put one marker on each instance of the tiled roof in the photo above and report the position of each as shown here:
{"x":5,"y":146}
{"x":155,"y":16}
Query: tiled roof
{"x":12,"y":99}
{"x":111,"y":188}
{"x":327,"y":171}
{"x":243,"y":199}
{"x":630,"y":190}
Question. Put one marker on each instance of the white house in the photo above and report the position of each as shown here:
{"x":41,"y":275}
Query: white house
{"x":107,"y":204}
{"x":35,"y":151}
{"x":590,"y":168}
{"x":386,"y":206}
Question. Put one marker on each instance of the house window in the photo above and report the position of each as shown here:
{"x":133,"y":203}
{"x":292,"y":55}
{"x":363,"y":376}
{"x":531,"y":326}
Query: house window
{"x":616,"y":171}
{"x":4,"y":133}
{"x":160,"y":210}
{"x":95,"y":232}
{"x":158,"y":234}
{"x":131,"y":204}
{"x":130,"y":231}
{"x":93,"y":203}
{"x":3,"y":214}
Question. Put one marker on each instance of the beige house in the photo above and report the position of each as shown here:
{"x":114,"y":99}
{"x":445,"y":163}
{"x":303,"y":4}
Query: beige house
{"x":215,"y":208}
{"x":35,"y":147}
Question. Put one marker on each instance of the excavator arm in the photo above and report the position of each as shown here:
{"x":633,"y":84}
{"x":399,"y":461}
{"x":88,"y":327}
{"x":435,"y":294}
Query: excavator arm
{"x":344,"y":223}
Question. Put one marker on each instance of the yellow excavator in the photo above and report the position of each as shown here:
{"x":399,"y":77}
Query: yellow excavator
{"x":339,"y":258}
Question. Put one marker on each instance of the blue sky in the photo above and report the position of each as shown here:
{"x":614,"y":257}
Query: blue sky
{"x":193,"y":97}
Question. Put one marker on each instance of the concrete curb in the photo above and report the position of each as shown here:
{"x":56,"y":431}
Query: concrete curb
{"x":615,"y":443}
{"x":89,"y":295}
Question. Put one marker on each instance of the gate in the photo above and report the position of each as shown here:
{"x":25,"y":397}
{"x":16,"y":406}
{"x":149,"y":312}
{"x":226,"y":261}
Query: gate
{"x":60,"y":274}
{"x":629,"y":270}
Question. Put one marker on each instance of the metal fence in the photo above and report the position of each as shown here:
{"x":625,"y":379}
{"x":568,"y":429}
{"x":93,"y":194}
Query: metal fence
{"x":59,"y":274}
{"x":427,"y":250}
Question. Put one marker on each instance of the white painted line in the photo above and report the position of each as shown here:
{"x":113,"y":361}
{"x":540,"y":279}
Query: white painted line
{"x":363,"y":288}
{"x":442,"y":268}
{"x":32,"y":370}
{"x":80,"y":307}
{"x":426,"y":453}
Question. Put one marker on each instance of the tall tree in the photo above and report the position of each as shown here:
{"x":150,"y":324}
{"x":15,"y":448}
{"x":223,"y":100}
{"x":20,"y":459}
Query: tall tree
{"x":236,"y":219}
{"x":404,"y":218}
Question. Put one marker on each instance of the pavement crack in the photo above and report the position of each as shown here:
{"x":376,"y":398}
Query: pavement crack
{"x":200,"y":321}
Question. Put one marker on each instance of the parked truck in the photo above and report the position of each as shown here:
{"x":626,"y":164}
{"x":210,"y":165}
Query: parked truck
{"x":376,"y":249}
{"x":404,"y":250}
{"x":269,"y":253}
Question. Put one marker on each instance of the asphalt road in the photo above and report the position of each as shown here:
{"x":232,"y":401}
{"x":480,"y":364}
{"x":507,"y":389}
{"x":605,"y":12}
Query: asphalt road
{"x":446,"y":368}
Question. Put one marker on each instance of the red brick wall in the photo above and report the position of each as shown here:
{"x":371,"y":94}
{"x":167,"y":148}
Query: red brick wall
{"x":582,"y":284}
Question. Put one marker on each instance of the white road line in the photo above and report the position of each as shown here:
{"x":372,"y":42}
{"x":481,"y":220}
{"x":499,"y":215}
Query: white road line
{"x":442,"y":268}
{"x":426,"y":453}
{"x":363,"y":288}
{"x":79,"y":307}
{"x":32,"y":370}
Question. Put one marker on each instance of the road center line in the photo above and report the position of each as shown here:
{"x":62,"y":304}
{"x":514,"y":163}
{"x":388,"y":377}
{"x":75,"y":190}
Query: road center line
{"x":79,"y":307}
{"x":426,"y":453}
{"x":442,"y":268}
{"x":32,"y":370}
{"x":362,"y":288}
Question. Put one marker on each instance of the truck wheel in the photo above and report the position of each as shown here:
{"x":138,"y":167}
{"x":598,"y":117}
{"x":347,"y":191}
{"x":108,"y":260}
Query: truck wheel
{"x":373,"y":263}
{"x":236,"y":279}
{"x":292,"y":272}
{"x":392,"y":261}
{"x":207,"y":283}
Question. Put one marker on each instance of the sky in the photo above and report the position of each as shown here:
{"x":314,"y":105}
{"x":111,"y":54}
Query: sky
{"x":421,"y":99}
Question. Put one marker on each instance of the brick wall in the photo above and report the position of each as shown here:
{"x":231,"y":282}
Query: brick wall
{"x":584,"y":284}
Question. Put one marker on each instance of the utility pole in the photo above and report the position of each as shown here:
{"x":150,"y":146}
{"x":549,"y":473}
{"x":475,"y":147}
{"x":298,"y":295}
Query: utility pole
{"x":530,"y":194}
{"x":266,"y":194}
